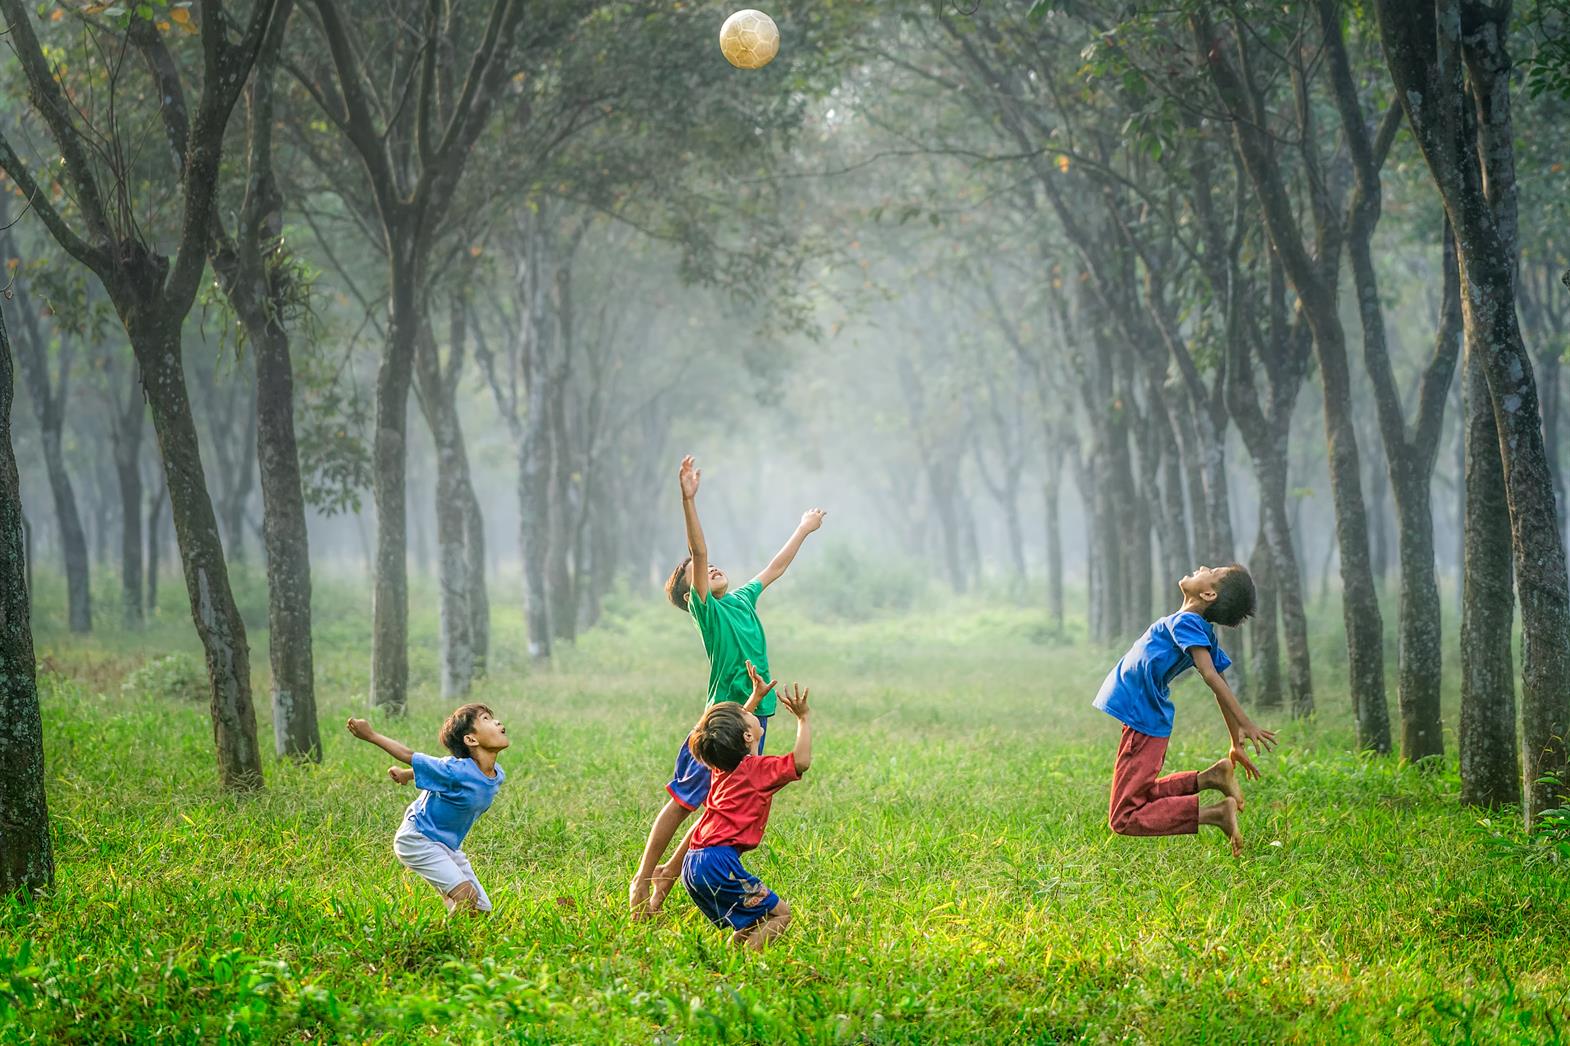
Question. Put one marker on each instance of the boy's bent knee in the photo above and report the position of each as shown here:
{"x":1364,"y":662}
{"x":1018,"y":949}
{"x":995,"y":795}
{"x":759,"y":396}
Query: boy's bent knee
{"x":1120,"y":820}
{"x":464,"y":895}
{"x":780,"y":912}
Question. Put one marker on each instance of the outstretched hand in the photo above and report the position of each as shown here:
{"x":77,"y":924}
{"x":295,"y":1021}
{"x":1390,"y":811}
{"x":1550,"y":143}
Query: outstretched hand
{"x":1262,"y":740}
{"x":812,"y":519}
{"x":794,"y":697}
{"x":689,"y":475}
{"x":361,"y":728}
{"x":1241,"y":760}
{"x":760,"y":690}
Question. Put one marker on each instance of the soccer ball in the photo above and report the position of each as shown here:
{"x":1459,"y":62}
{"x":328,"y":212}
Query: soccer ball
{"x":749,"y":39}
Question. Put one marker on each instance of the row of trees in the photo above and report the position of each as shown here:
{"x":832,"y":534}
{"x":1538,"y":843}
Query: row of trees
{"x":1102,"y":250}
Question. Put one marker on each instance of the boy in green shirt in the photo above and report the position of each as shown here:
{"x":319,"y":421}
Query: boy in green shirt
{"x":732,"y":636}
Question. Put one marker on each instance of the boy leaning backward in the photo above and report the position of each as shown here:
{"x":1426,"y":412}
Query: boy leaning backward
{"x":1137,"y":693}
{"x":454,"y":791}
{"x":732,"y":636}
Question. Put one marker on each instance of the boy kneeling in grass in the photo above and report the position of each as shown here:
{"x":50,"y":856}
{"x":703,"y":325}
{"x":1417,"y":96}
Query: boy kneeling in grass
{"x":454,"y":791}
{"x":727,"y":740}
{"x":1136,"y":692}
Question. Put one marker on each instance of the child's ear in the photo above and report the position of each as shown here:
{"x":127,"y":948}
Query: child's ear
{"x":471,"y":740}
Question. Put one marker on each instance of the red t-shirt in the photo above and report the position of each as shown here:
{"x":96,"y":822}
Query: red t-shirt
{"x":738,"y":804}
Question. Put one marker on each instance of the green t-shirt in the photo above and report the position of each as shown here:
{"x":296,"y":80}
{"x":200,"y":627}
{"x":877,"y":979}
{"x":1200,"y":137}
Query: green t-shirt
{"x":732,"y":636}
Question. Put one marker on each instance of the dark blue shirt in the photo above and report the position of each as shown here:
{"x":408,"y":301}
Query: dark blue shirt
{"x":1137,"y":691}
{"x":453,"y":794}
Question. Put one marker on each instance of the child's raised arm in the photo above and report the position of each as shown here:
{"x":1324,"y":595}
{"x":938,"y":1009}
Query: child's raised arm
{"x":795,"y":699}
{"x":697,"y":548}
{"x":1239,"y":725}
{"x":397,"y":749}
{"x":811,"y":520}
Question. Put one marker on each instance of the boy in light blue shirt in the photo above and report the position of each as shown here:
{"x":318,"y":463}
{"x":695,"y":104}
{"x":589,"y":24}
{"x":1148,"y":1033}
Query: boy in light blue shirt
{"x":454,"y":791}
{"x":1137,"y":694}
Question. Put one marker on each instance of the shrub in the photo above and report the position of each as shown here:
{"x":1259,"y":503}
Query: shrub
{"x":178,"y":676}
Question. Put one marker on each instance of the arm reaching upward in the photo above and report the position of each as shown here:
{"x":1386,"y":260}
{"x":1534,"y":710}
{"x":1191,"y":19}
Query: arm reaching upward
{"x":795,"y":698}
{"x":1239,"y":725}
{"x":760,"y":690}
{"x":697,"y":548}
{"x":811,"y":520}
{"x":397,"y":749}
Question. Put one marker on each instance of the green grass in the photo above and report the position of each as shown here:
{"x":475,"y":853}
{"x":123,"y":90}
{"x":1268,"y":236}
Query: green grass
{"x":947,"y":858}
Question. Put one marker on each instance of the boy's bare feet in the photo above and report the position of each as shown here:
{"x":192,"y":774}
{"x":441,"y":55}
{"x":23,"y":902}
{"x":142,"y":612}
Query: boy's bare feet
{"x":1223,"y":778}
{"x":1224,"y":816}
{"x":638,"y":898}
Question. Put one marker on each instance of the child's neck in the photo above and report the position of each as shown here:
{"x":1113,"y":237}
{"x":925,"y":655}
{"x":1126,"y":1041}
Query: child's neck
{"x":485,"y":759}
{"x":1190,"y":606}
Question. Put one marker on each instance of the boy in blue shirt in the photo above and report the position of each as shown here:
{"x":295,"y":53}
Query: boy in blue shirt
{"x":1137,"y":694}
{"x":454,"y":791}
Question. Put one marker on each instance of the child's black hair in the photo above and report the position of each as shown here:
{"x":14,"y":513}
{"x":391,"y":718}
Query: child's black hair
{"x":679,"y":585}
{"x":719,"y":741}
{"x":1234,"y":597}
{"x":459,"y":723}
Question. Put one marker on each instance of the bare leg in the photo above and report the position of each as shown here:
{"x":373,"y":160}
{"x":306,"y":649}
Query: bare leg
{"x":1222,"y":778}
{"x":463,"y":898}
{"x":660,"y":835}
{"x":759,"y":934}
{"x":1224,"y":816}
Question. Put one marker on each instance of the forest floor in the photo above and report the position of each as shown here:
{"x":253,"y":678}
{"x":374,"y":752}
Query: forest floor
{"x":947,"y":858}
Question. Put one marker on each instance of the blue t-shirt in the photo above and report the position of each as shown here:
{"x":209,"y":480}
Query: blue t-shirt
{"x":453,"y":794}
{"x":1136,"y":692}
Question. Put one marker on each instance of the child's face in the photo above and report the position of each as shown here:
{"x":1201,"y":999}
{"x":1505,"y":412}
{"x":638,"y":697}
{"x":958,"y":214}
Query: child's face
{"x":719,"y":584}
{"x":488,"y":733}
{"x":1201,"y":584}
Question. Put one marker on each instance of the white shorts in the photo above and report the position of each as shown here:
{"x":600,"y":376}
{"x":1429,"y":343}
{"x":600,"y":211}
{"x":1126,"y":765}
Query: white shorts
{"x":438,"y":864}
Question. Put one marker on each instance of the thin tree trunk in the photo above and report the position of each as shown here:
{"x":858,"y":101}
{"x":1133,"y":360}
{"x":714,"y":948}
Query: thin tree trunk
{"x":560,"y":568}
{"x":1266,"y":645}
{"x":1490,"y":764}
{"x":1052,"y":485}
{"x":26,"y":860}
{"x":49,"y":407}
{"x":390,"y":598}
{"x":128,"y":470}
{"x":213,"y":610}
{"x":479,"y":597}
{"x":155,"y":513}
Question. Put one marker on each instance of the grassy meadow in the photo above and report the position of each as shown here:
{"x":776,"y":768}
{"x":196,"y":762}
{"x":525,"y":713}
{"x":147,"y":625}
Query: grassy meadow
{"x":947,"y":857}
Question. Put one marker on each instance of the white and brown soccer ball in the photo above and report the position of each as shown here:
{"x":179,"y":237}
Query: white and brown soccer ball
{"x":749,"y":39}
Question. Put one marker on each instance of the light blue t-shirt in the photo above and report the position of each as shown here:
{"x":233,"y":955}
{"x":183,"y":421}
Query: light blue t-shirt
{"x":453,"y":794}
{"x":1137,"y":691}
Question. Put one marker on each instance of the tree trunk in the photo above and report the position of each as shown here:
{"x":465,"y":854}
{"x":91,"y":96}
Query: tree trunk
{"x":479,"y":597}
{"x":1052,"y":485}
{"x":128,"y":470}
{"x":453,"y":502}
{"x":155,"y":513}
{"x":296,"y":734}
{"x":213,"y":609}
{"x":1490,"y":765}
{"x":1266,"y":646}
{"x":26,"y":860}
{"x":1287,"y":577}
{"x":48,"y":405}
{"x":560,"y":567}
{"x":390,"y":599}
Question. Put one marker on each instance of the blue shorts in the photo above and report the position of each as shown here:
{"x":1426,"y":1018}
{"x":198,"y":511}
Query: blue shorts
{"x":689,"y":784}
{"x":727,"y":893}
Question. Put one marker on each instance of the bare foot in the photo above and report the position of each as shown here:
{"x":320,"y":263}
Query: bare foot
{"x":1223,"y":778}
{"x":638,"y":898}
{"x":1226,"y":820}
{"x":659,"y":888}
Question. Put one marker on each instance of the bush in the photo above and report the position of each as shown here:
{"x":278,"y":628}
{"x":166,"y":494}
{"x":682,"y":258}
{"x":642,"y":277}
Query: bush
{"x":178,"y":676}
{"x":837,"y":582}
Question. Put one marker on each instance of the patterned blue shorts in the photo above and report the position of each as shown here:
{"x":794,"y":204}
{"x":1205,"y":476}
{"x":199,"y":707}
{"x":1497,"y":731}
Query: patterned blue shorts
{"x":723,"y":890}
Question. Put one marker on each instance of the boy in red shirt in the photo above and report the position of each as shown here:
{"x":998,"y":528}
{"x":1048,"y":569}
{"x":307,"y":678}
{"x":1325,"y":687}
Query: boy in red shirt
{"x":726,"y":740}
